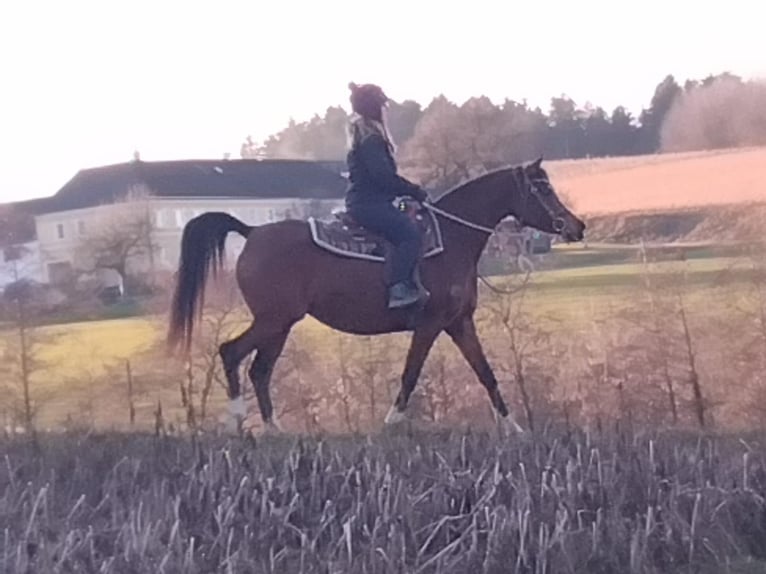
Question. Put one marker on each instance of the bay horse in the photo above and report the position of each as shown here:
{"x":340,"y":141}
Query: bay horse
{"x":284,"y":276}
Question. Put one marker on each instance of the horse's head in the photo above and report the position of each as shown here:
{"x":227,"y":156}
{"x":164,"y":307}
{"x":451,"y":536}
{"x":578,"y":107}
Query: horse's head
{"x":537,"y":205}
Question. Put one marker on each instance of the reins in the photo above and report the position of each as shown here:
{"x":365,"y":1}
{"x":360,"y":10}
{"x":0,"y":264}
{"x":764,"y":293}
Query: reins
{"x":460,"y":220}
{"x":477,"y":227}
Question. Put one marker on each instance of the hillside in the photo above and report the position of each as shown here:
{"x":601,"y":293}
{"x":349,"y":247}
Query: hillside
{"x":663,"y":181}
{"x":699,"y":196}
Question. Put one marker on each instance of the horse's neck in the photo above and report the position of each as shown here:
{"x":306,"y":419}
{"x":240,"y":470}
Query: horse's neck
{"x":480,"y":202}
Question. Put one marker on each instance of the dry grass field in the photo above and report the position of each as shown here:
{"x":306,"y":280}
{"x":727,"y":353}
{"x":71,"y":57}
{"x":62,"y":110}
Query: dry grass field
{"x":428,"y":503}
{"x":663,"y":181}
{"x":80,"y":372}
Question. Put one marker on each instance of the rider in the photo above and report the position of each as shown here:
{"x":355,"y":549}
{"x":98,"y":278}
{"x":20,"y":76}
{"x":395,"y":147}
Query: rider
{"x":374,"y":186}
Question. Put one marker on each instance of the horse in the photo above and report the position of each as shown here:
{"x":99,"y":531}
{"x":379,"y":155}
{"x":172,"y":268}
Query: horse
{"x":283,"y":275}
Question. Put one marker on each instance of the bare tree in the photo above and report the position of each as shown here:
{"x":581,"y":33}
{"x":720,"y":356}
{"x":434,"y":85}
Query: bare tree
{"x":669,"y":343}
{"x":436,"y":393}
{"x":20,"y":355}
{"x":299,"y":388}
{"x":523,"y":338}
{"x":122,"y":239}
{"x":343,"y":389}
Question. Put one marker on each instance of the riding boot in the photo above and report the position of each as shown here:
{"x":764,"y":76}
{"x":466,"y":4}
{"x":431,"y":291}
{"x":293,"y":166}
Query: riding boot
{"x":404,"y":294}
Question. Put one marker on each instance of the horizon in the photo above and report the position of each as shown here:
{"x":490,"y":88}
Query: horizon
{"x":92,"y":84}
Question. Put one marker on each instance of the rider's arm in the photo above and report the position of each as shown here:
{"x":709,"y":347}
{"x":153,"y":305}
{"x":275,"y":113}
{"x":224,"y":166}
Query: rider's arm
{"x":373,"y":151}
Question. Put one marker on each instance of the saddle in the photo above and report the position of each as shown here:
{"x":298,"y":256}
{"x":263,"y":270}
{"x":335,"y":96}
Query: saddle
{"x":341,"y":235}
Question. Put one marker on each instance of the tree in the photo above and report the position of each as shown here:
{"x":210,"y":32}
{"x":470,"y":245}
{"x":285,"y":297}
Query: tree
{"x":433,"y":154}
{"x":598,"y":132}
{"x":122,"y":239}
{"x":402,"y":119}
{"x":16,"y":226}
{"x":452,"y":144}
{"x":653,"y":117}
{"x":20,"y":307}
{"x":566,"y":130}
{"x":250,"y":149}
{"x":522,"y":132}
{"x":320,"y":138}
{"x":523,"y":345}
{"x":623,"y":133}
{"x":720,"y":112}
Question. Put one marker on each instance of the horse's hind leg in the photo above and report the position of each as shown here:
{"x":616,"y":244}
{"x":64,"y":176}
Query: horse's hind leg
{"x":260,"y":374}
{"x":232,"y":353}
{"x":269,"y":339}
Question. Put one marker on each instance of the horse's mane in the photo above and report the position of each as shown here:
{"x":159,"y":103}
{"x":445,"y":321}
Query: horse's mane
{"x":489,"y":174}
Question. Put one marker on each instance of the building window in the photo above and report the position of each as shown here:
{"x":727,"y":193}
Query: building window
{"x":60,"y":230}
{"x":81,"y":228}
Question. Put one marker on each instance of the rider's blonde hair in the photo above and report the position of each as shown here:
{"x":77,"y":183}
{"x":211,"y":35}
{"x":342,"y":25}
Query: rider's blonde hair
{"x":360,"y":128}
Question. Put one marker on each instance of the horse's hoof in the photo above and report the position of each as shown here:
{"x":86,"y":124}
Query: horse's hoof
{"x":509,"y":427}
{"x":394,"y":416}
{"x":237,"y":408}
{"x":272,"y":428}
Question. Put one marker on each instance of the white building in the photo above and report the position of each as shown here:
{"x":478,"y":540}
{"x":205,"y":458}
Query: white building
{"x":167,"y":195}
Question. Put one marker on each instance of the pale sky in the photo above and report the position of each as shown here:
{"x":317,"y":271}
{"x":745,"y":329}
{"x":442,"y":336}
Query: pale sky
{"x":87,"y":83}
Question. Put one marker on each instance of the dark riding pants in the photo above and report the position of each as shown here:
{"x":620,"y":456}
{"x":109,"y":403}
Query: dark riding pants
{"x":384,"y":219}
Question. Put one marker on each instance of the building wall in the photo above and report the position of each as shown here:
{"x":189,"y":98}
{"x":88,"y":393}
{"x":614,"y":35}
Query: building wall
{"x":61,"y":234}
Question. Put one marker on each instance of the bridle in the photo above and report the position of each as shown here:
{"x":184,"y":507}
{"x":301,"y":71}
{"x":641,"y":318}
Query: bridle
{"x":529,"y":187}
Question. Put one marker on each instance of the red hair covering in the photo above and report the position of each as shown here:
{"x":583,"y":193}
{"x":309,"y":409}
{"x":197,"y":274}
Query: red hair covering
{"x":368,"y":100}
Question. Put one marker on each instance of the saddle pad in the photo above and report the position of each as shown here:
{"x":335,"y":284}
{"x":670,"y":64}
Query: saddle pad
{"x":335,"y":236}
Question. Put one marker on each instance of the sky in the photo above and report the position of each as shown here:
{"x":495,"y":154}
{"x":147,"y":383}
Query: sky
{"x":87,"y":83}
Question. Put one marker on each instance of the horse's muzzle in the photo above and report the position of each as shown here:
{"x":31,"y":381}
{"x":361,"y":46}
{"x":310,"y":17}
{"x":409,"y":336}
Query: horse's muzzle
{"x":571,"y":231}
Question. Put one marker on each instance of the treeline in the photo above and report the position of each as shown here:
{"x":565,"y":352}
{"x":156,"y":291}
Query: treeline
{"x":445,"y":143}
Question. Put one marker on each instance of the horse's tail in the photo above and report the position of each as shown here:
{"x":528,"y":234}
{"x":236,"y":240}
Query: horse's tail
{"x":202,"y":250}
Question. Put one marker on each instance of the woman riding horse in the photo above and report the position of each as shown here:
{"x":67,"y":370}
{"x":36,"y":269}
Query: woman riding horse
{"x":375,"y":184}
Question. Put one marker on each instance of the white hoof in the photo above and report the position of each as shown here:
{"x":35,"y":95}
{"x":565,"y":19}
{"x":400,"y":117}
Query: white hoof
{"x":237,"y":408}
{"x":394,"y":416}
{"x":508,"y":425}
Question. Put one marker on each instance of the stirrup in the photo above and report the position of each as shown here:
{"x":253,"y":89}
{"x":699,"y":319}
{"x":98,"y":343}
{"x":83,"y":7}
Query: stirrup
{"x":415,"y":295}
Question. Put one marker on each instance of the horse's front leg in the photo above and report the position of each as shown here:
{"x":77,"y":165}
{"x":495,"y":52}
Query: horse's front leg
{"x":422,"y":340}
{"x":463,"y":333}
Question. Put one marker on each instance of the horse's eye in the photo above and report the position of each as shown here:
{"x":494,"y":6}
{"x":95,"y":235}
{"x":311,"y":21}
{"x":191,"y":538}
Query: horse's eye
{"x":543,"y":187}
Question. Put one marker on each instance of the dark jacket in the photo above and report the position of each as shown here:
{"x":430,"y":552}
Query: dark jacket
{"x":373,"y":174}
